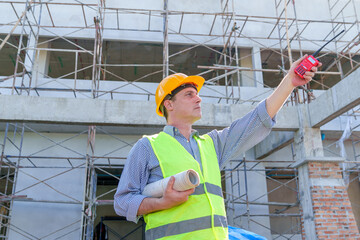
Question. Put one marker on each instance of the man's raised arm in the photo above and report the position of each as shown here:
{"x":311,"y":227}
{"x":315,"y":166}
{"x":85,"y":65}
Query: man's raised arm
{"x":276,"y":100}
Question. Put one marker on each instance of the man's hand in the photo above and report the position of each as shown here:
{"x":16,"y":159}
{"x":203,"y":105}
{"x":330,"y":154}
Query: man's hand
{"x":277,"y":99}
{"x":172,"y":198}
{"x":298,"y":81}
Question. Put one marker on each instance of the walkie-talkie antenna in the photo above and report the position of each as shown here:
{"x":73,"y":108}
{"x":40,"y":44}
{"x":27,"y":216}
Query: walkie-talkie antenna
{"x":317,"y":52}
{"x":311,"y":61}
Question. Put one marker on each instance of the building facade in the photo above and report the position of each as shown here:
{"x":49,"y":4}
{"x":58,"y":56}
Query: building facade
{"x":77,"y":84}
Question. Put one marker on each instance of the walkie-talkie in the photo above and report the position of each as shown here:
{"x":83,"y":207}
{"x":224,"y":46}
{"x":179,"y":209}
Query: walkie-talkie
{"x":311,"y":61}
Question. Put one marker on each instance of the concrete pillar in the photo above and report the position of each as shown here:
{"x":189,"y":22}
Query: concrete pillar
{"x":256,"y":62}
{"x":325,"y":206}
{"x":29,"y":61}
{"x":41,"y":63}
{"x":32,"y":32}
{"x":247,"y":78}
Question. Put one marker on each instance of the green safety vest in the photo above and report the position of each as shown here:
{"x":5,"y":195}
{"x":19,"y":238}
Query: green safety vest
{"x":203,"y":215}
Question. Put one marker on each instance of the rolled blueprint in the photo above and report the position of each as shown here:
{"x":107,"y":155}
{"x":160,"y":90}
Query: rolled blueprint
{"x":183,"y":181}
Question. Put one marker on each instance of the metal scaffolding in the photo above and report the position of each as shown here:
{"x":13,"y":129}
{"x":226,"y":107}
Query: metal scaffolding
{"x":232,"y":24}
{"x":242,"y":204}
{"x":227,"y":71}
{"x":248,"y":209}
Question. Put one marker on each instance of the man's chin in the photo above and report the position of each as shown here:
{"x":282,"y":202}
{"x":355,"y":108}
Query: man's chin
{"x":198,"y":117}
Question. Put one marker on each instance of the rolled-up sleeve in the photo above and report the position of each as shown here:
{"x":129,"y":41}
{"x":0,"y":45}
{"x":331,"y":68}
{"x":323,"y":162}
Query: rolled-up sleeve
{"x":242,"y":134}
{"x":133,"y":179}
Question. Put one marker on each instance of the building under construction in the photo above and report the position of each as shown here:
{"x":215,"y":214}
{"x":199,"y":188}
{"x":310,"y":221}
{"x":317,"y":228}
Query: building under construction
{"x":77,"y":84}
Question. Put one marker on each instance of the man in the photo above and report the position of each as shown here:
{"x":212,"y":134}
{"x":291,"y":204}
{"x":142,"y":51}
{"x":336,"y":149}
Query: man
{"x":196,"y":213}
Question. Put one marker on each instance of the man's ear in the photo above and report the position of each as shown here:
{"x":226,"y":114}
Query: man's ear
{"x":168,"y":104}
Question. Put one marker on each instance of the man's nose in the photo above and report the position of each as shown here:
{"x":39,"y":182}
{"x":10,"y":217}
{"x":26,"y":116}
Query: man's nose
{"x":198,"y":99}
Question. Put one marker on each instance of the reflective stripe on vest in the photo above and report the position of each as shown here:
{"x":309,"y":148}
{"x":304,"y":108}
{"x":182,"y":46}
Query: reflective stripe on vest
{"x":211,"y":188}
{"x":186,"y":226}
{"x":203,"y":216}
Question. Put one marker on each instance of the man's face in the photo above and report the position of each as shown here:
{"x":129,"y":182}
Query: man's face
{"x":186,"y":105}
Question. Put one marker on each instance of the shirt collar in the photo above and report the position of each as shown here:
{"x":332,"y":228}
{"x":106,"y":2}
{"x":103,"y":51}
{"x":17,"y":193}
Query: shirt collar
{"x":174,"y":131}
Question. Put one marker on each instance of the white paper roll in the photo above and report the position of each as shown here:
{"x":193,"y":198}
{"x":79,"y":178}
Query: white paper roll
{"x":183,"y":181}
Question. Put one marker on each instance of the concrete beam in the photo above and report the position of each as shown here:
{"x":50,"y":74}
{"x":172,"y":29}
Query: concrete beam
{"x":32,"y":109}
{"x":340,"y":98}
{"x":272,"y":143}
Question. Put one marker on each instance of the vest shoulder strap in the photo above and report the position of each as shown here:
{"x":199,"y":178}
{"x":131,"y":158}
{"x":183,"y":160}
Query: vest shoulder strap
{"x":151,"y":137}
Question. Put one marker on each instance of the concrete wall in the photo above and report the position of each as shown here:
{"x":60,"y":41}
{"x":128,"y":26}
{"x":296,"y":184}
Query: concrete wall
{"x":57,"y":201}
{"x":256,"y":192}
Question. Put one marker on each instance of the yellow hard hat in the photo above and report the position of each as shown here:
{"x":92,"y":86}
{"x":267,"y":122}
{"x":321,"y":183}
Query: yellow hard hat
{"x":170,"y":83}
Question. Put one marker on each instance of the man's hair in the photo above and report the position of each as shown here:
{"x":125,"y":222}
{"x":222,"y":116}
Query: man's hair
{"x":163,"y":108}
